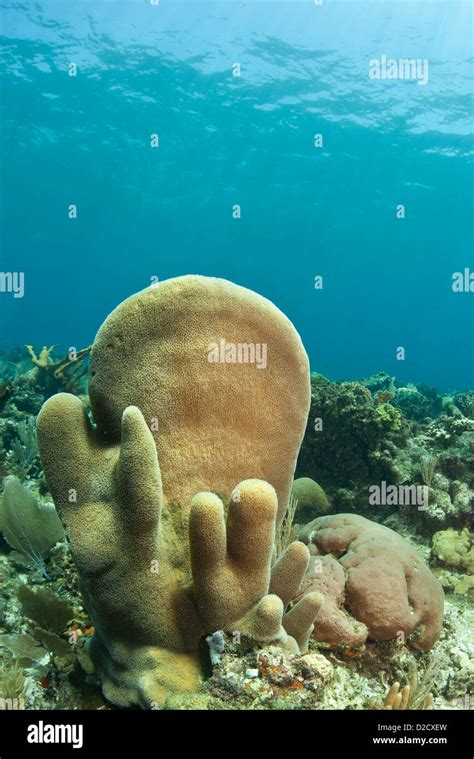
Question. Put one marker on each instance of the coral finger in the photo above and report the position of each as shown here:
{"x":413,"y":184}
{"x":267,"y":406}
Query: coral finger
{"x":207,"y":539}
{"x":251,"y":524}
{"x":264,"y":621}
{"x":288,"y":572}
{"x":299,"y":621}
{"x":139,"y":475}
{"x":67,"y":444}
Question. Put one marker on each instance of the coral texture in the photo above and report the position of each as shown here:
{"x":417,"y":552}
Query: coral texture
{"x":374,"y":584}
{"x":152,"y":590}
{"x":190,"y":353}
{"x":454,"y":549}
{"x":312,"y":500}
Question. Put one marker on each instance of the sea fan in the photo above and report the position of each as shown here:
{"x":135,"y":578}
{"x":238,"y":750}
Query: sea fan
{"x":28,"y":525}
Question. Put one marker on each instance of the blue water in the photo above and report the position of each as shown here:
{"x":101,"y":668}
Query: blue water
{"x":247,"y":140}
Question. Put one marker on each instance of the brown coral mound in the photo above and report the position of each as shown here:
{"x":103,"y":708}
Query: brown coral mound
{"x":335,"y":624}
{"x":375,"y":584}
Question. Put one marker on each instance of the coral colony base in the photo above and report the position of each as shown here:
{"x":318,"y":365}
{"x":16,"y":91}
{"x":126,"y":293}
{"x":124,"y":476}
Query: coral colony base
{"x":238,"y":533}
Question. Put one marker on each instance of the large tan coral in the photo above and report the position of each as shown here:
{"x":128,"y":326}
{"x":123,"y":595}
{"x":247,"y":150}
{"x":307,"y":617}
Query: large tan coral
{"x":232,"y":429}
{"x":374,"y":584}
{"x":218,"y":423}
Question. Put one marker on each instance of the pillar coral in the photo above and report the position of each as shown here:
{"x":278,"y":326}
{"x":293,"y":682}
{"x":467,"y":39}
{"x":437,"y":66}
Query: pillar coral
{"x":172,"y":496}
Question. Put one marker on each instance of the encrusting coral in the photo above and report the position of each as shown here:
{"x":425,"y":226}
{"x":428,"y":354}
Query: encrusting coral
{"x":453,"y":552}
{"x":375,"y":585}
{"x":454,"y":549}
{"x":198,"y":384}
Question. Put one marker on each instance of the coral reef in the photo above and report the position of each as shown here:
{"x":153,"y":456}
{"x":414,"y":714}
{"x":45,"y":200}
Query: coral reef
{"x":246,"y":632}
{"x":388,"y":416}
{"x":6,"y":390}
{"x":465,"y":403}
{"x":453,"y":552}
{"x":358,"y":436}
{"x":417,"y":403}
{"x":446,"y":468}
{"x":374,"y":584}
{"x":454,"y":549}
{"x":351,"y":440}
{"x":166,"y":413}
{"x":21,"y":396}
{"x":54,"y":375}
{"x":269,"y":678}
